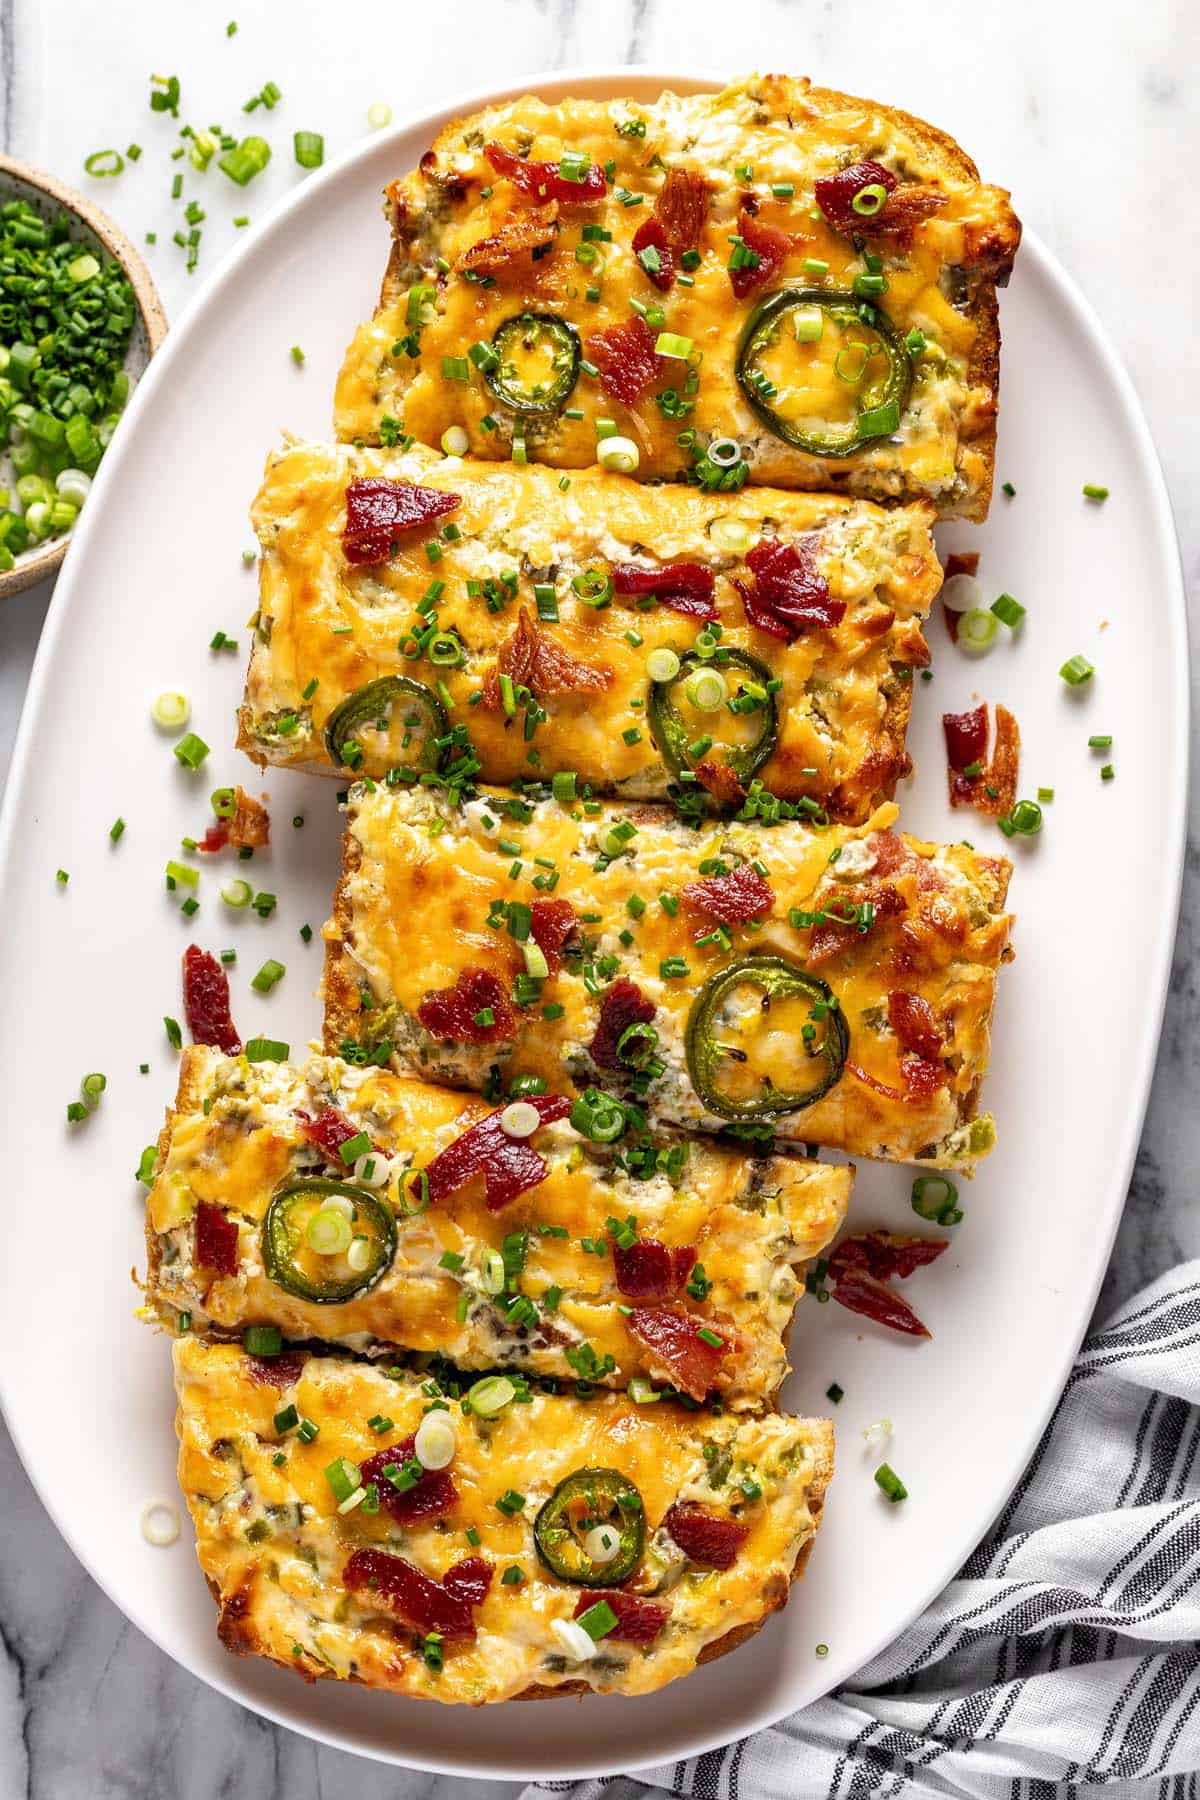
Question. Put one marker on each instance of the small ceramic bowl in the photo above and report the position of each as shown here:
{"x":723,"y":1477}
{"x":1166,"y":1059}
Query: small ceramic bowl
{"x":19,"y":180}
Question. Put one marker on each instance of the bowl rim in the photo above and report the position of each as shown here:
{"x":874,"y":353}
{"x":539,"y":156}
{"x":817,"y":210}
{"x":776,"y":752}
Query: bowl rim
{"x":45,"y":561}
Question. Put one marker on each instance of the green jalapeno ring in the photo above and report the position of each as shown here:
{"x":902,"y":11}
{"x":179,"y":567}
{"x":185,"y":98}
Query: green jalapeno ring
{"x":610,"y":1498}
{"x":672,"y":735}
{"x":876,"y":421}
{"x":779,"y":979}
{"x":280,"y":1240}
{"x":368,"y":703}
{"x":545,"y":398}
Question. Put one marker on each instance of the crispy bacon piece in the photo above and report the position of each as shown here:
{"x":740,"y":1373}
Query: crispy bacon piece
{"x":282,"y":1371}
{"x":684,"y":586}
{"x":329,"y":1131}
{"x":444,"y":1606}
{"x":789,"y":594}
{"x":711,"y":1538}
{"x":551,"y":924}
{"x":638,"y":1621}
{"x":376,"y":510}
{"x":682,"y":208}
{"x":922,"y":1078}
{"x":861,"y":1268}
{"x":906,"y":206}
{"x":651,"y":236}
{"x":216,"y":1239}
{"x":206,"y":1001}
{"x":248,"y":829}
{"x":770,"y":246}
{"x":718,"y":779}
{"x":966,"y":737}
{"x":649,"y":1270}
{"x":834,"y":934}
{"x":432,"y":1496}
{"x":542,"y":180}
{"x":994,"y":789}
{"x":469,"y":1580}
{"x":509,"y":1166}
{"x":916,"y":1024}
{"x":623,"y":1005}
{"x":961,"y":562}
{"x":673,"y":1339}
{"x":732,"y":899}
{"x":534,"y":660}
{"x":451,"y":1012}
{"x":518,"y":236}
{"x":626,"y":358}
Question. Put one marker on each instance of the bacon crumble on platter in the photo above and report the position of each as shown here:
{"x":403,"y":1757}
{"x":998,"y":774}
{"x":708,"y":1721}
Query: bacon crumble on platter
{"x":861,"y":1270}
{"x":206,"y":1001}
{"x":247,"y":827}
{"x":989,"y":784}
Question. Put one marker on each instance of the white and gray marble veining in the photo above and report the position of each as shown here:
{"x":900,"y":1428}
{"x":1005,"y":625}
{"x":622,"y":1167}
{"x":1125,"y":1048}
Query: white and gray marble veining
{"x":1092,"y":117}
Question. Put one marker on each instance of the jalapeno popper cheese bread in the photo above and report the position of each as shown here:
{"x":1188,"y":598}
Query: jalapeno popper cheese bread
{"x":775,"y":283}
{"x":628,"y":634}
{"x":833,"y":985}
{"x":350,"y":1205}
{"x":374,"y":1528}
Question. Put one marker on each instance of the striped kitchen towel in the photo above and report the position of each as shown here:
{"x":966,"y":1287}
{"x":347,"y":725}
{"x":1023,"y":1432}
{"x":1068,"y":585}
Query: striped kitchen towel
{"x":1064,"y":1660}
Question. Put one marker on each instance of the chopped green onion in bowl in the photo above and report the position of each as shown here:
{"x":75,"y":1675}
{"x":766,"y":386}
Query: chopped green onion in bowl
{"x":67,"y":315}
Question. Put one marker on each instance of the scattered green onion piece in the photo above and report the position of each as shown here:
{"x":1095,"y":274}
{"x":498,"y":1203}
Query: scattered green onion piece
{"x":976,"y":629}
{"x":309,"y":147}
{"x":1076,"y":670}
{"x":191,"y":751}
{"x":270,"y":973}
{"x":887,"y":1479}
{"x":1010,"y":612}
{"x":104,"y":162}
{"x":171,"y":711}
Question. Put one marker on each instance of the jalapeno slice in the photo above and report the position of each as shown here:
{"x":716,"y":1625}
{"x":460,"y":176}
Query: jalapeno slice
{"x":409,"y":713}
{"x":585,"y":1499}
{"x":723,"y":1070}
{"x":307,"y":1253}
{"x":686,"y":730}
{"x":868,"y":362}
{"x":538,"y":363}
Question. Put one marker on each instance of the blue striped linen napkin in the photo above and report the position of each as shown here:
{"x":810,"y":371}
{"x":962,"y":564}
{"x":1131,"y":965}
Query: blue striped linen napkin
{"x":1064,"y":1659}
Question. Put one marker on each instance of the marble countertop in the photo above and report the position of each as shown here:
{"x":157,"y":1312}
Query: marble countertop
{"x":1087,"y":116}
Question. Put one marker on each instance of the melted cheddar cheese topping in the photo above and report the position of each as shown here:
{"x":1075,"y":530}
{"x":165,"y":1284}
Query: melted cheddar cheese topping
{"x":273,"y":1545}
{"x":421,"y":879}
{"x":327,"y":627}
{"x":765,"y":139}
{"x":238,"y":1132}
